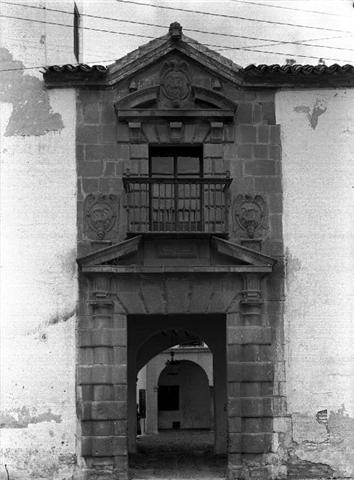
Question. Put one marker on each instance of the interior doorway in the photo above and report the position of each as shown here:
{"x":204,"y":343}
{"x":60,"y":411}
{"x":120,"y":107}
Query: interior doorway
{"x":183,"y":396}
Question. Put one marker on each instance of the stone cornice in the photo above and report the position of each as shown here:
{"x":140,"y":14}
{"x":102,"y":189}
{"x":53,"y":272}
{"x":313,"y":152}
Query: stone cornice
{"x":253,"y":76}
{"x":137,"y":269}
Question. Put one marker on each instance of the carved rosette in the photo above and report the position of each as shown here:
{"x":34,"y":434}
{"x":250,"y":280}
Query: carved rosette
{"x":175,"y":84}
{"x":250,"y":214}
{"x":101,"y":213}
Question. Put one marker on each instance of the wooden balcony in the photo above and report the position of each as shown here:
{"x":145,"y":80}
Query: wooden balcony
{"x":183,"y":205}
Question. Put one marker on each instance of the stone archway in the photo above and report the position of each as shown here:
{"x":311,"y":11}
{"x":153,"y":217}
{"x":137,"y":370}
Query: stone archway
{"x":226,"y":290}
{"x":191,"y":397}
{"x":145,"y":340}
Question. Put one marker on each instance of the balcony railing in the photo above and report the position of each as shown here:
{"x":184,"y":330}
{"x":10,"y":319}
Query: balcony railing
{"x":179,"y":204}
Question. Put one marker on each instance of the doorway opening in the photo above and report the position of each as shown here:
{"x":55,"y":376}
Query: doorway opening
{"x":178,"y":415}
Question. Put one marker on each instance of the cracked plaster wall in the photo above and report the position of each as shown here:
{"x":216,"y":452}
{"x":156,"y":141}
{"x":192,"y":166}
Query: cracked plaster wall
{"x":38,"y":251}
{"x":317,"y":137}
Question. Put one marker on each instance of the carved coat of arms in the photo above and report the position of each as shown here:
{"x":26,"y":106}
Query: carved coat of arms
{"x":101,"y":213}
{"x":175,"y":83}
{"x":250,"y":213}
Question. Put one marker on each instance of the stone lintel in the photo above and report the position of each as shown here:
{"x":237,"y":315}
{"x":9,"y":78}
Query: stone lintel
{"x":130,"y":114}
{"x":134,"y":269}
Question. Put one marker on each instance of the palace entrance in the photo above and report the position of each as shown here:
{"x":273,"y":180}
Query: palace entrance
{"x":182,"y":422}
{"x":139,"y":301}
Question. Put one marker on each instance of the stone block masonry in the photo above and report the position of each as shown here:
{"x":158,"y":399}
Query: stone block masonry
{"x":102,"y":377}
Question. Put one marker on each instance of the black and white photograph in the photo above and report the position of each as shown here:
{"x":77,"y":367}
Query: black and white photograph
{"x":176,"y":240}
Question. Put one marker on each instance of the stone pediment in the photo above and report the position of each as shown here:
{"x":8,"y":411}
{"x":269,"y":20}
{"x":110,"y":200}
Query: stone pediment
{"x":113,"y":254}
{"x":158,"y":49}
{"x":172,"y":254}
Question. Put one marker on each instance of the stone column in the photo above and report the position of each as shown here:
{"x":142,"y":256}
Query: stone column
{"x":132,"y":418}
{"x":220,"y":400}
{"x":151,"y":398}
{"x":102,"y":377}
{"x":250,"y":384}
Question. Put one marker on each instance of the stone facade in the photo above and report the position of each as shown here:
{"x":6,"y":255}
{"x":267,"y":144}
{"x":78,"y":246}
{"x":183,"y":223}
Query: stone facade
{"x":238,"y":133}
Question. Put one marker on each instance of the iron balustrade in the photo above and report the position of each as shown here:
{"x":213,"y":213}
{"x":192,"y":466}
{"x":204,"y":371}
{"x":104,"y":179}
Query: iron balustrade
{"x":177,"y":204}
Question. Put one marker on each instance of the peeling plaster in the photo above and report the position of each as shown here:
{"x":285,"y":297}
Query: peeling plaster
{"x":318,"y":109}
{"x":322,"y":449}
{"x":21,"y":417}
{"x":298,"y":468}
{"x":31,"y":112}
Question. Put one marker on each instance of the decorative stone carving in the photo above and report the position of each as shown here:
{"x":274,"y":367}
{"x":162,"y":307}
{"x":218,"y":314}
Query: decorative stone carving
{"x":136,"y":133}
{"x":101,"y":212}
{"x":216,"y":132}
{"x":176,"y":131}
{"x":175,"y":31}
{"x":250,"y":214}
{"x":133,"y":87}
{"x":216,"y":84}
{"x":175,"y":83}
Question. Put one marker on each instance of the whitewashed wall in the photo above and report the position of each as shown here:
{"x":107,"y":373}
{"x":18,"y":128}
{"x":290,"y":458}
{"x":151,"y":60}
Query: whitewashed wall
{"x":317,"y":137}
{"x":38,"y":251}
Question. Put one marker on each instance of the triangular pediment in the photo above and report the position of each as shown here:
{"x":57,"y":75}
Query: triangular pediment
{"x":146,"y":56}
{"x":126,"y":254}
{"x":240,"y":254}
{"x":161,"y":47}
{"x":113,"y":254}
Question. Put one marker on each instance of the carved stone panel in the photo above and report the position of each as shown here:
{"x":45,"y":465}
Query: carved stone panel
{"x":175,"y":84}
{"x":250,"y":215}
{"x":101,"y":215}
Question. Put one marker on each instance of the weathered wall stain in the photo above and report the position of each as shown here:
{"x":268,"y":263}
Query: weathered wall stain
{"x":318,"y":109}
{"x":31,"y":113}
{"x":68,"y":262}
{"x":22,"y":417}
{"x":63,"y":317}
{"x":292,"y":265}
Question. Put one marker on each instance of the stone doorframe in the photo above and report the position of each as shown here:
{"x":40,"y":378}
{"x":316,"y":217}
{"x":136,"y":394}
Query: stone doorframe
{"x":110,"y":292}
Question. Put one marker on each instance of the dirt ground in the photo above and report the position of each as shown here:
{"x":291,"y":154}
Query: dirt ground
{"x":171,"y":455}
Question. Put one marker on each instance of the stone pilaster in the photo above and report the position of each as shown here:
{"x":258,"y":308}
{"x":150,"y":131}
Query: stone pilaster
{"x":102,"y":377}
{"x":250,"y":382}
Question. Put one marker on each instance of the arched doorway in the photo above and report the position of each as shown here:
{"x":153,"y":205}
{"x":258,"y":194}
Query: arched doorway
{"x":177,"y":428}
{"x":150,"y":335}
{"x":184,"y":399}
